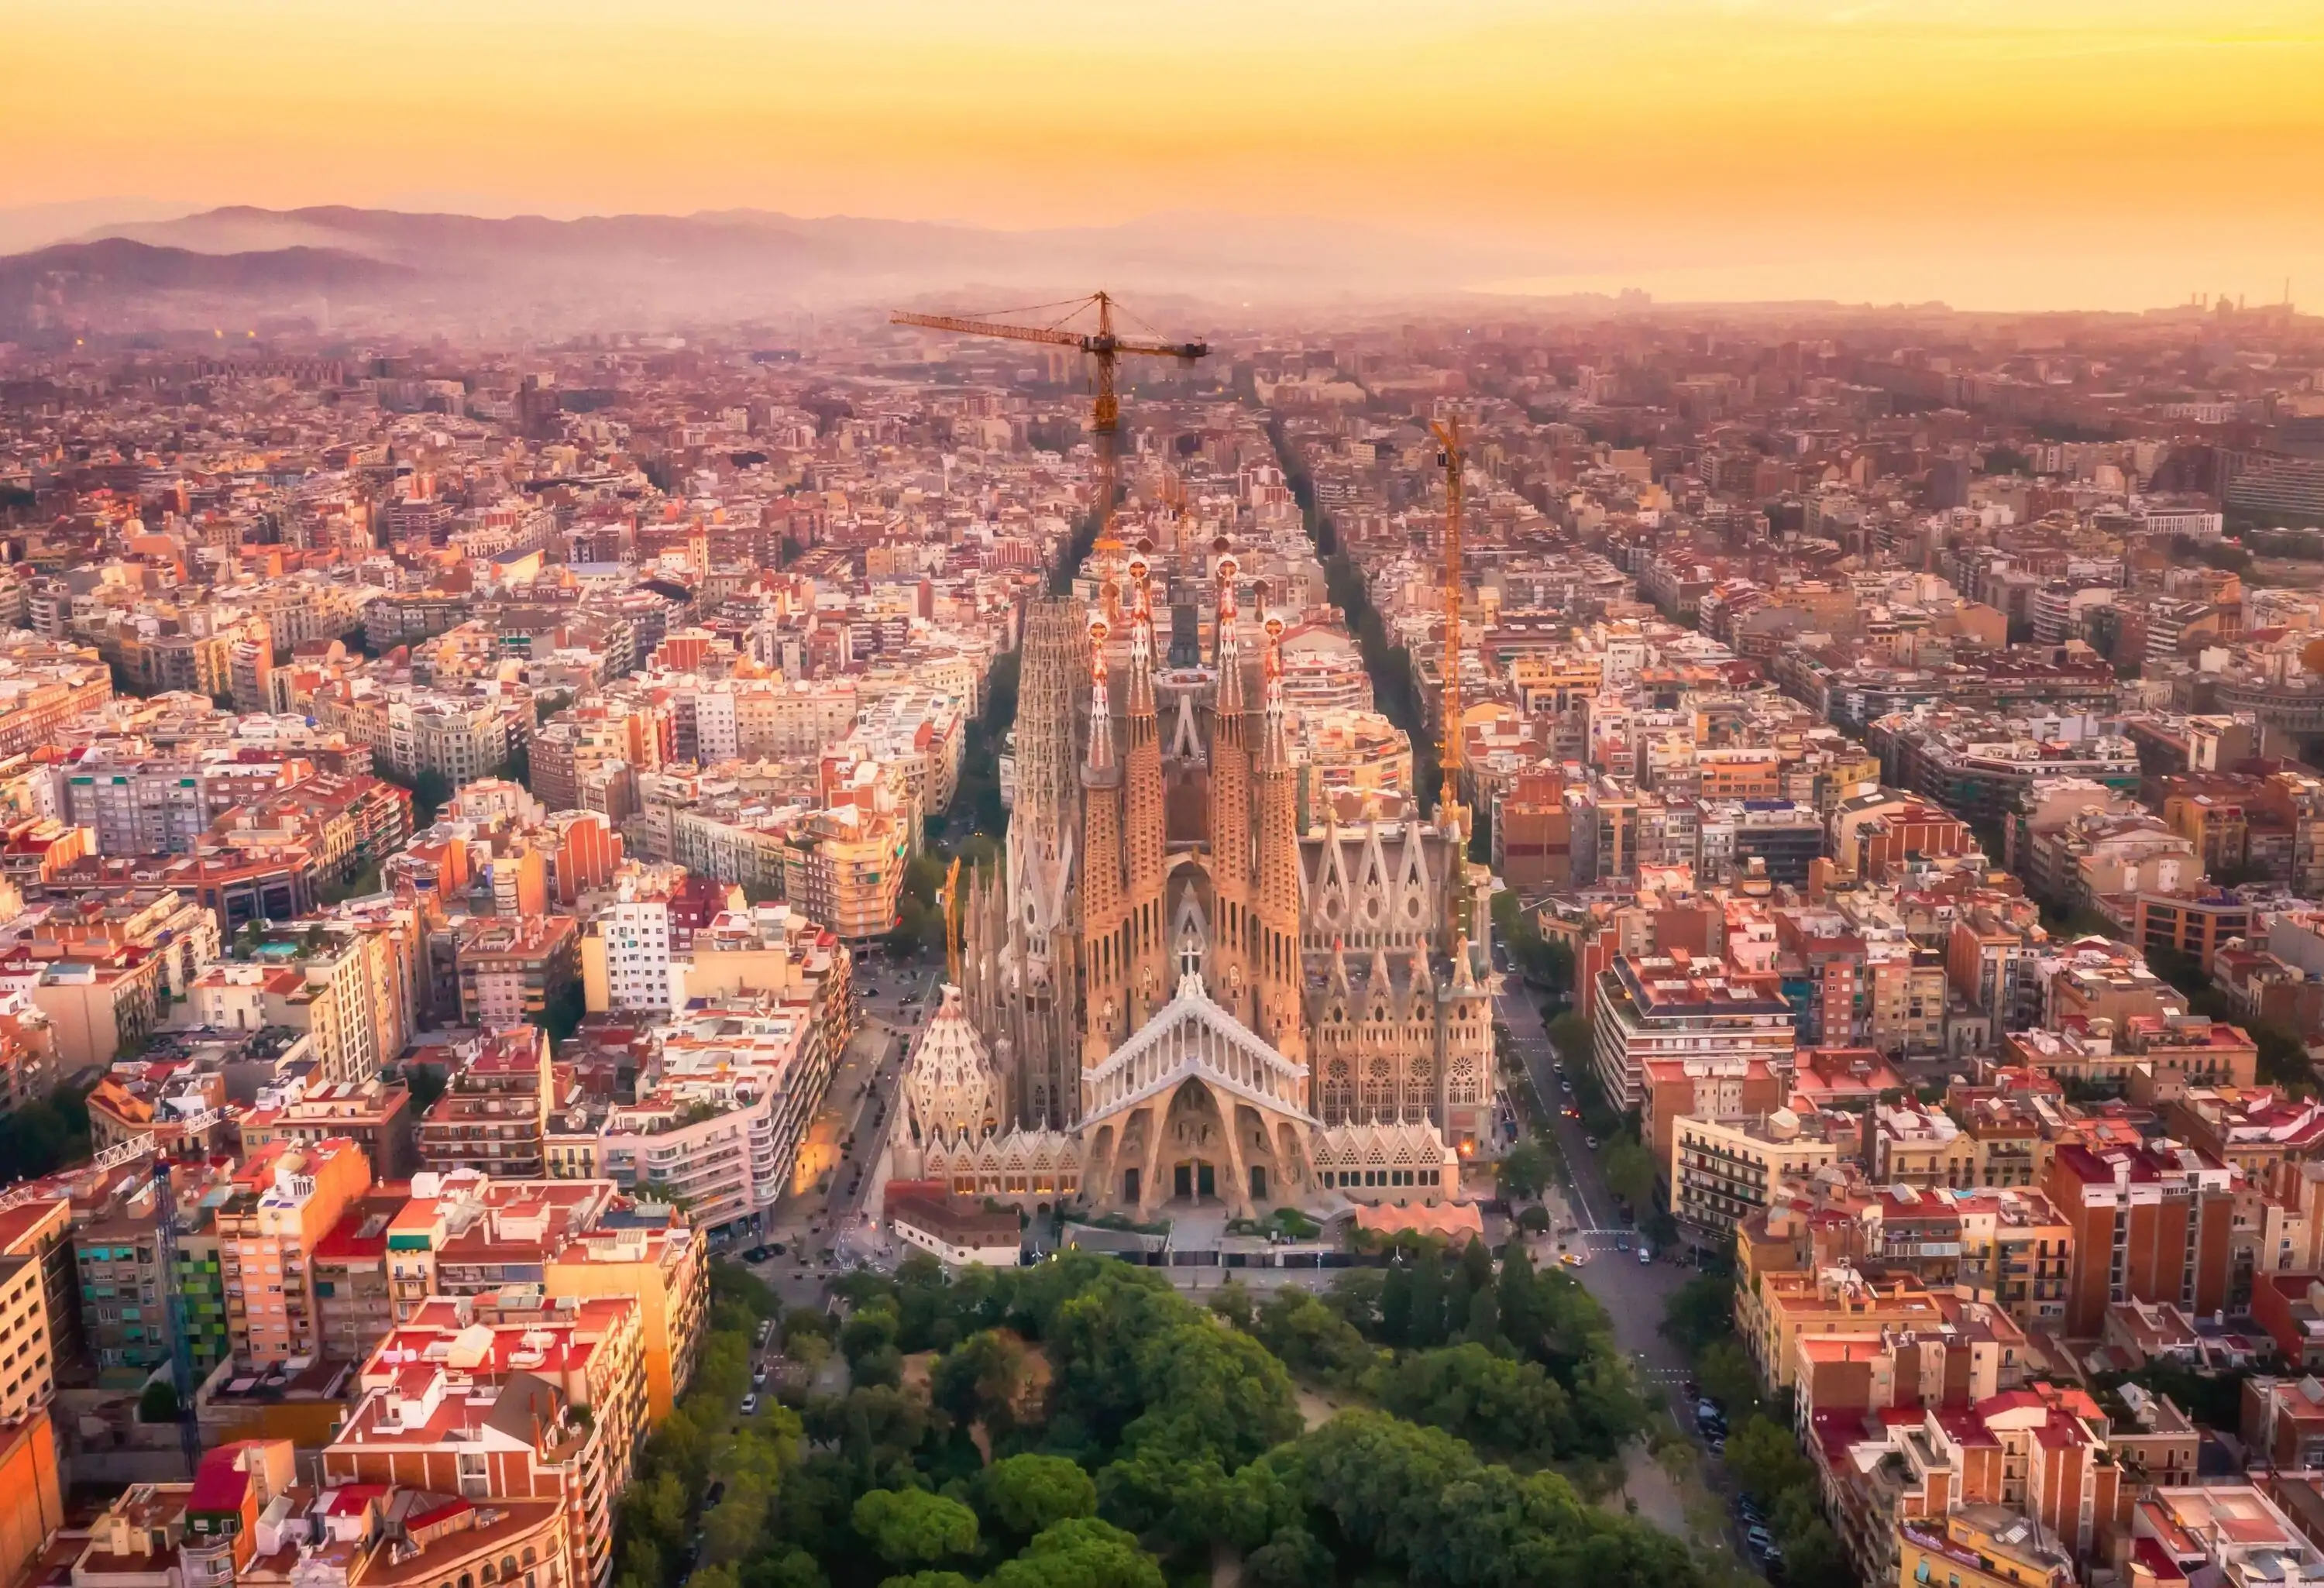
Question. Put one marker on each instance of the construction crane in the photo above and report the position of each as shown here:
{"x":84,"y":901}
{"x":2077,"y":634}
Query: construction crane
{"x":1102,"y":347}
{"x":181,"y":1349}
{"x":1448,"y":438}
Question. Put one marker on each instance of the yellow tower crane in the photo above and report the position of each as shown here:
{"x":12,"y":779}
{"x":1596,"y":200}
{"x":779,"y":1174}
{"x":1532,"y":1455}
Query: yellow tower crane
{"x":1104,"y":348}
{"x":1455,"y":742}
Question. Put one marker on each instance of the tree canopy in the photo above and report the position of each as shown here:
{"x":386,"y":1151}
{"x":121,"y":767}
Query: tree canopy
{"x":1079,"y":1423}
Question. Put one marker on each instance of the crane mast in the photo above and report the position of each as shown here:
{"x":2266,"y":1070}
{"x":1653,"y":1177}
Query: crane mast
{"x":181,"y":1349}
{"x":1102,"y":347}
{"x":1448,"y":438}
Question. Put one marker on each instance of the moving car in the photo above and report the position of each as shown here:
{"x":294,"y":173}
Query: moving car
{"x":1589,"y":1141}
{"x":1574,"y":1260}
{"x":751,"y":1405}
{"x":1646,"y":1254}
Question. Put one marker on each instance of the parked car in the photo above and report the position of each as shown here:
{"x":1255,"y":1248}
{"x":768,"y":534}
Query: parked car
{"x":1622,"y":1242}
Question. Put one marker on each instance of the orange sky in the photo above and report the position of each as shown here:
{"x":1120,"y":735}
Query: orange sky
{"x":2112,"y":154}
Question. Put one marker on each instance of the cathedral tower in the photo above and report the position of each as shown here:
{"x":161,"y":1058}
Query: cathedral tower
{"x":1104,"y":913}
{"x":1229,"y":970}
{"x":1145,"y":820}
{"x":1275,"y":948}
{"x":1039,"y":970}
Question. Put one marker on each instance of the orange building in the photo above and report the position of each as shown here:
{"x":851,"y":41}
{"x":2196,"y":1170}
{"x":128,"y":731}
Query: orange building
{"x":2150,"y":1223}
{"x":286,"y":1199}
{"x":2196,"y":924}
{"x":591,"y":1352}
{"x":517,"y":1444}
{"x":462,"y":1232}
{"x":32,"y":1502}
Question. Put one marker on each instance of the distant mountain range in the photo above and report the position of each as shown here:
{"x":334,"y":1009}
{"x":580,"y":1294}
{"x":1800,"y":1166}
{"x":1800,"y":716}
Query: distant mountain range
{"x":639,"y":271}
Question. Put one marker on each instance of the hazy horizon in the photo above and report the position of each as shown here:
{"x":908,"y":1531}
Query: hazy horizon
{"x":2055,"y":154}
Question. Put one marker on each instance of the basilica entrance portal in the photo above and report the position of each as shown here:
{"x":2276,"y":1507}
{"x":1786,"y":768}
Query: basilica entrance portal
{"x":1195,"y":1179}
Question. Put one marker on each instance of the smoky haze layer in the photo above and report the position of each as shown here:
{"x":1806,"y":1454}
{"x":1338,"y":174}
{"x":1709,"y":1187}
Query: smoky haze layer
{"x":350,"y":267}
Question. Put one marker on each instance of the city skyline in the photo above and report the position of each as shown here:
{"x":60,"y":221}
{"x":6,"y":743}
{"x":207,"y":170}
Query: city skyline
{"x":2050,"y":156}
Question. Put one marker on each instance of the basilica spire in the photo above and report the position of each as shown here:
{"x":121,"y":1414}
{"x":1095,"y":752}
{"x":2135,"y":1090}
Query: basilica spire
{"x":1230,"y":658}
{"x":1141,"y":649}
{"x":1275,"y":749}
{"x":1098,"y":767}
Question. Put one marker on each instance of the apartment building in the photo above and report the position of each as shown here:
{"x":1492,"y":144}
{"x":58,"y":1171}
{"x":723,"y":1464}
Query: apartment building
{"x":40,"y":1324}
{"x":462,"y":1234}
{"x":1974,"y":1352}
{"x":736,"y":1082}
{"x":99,"y":1008}
{"x":1722,"y":1170}
{"x":353,"y":1300}
{"x":2262,"y":1134}
{"x":578,"y":745}
{"x":1909,"y":1143}
{"x":2040,"y":1452}
{"x":1704,"y":1088}
{"x":664,"y":1264}
{"x":349,"y":986}
{"x":284,"y":1201}
{"x":2229,"y":1533}
{"x":512,"y":1454}
{"x":45,"y":685}
{"x":1665,"y":1007}
{"x":510,"y":969}
{"x":591,"y":1352}
{"x":843,"y":869}
{"x":1775,"y":1309}
{"x":2194,"y":921}
{"x":494,"y":1115}
{"x":375,"y":1115}
{"x":2153,"y":1223}
{"x":628,"y":950}
{"x":1980,"y":1547}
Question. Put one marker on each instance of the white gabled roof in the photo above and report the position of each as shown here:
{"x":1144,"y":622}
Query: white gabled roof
{"x":1192,"y":1038}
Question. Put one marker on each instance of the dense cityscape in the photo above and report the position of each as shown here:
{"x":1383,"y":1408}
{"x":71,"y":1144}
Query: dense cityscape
{"x":1606,"y":942}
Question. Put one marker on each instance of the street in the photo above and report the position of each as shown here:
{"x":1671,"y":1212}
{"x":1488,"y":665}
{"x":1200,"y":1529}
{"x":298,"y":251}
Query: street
{"x":1634,"y":1294}
{"x":818,"y":1228}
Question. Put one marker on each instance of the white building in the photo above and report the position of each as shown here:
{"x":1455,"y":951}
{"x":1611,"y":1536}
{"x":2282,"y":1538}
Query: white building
{"x":639,"y":971}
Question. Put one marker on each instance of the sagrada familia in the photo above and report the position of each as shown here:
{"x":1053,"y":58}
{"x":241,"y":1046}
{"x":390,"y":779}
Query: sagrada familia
{"x":1174,"y":989}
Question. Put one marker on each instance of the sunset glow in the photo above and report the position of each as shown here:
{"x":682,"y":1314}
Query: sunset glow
{"x":2112,"y":155}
